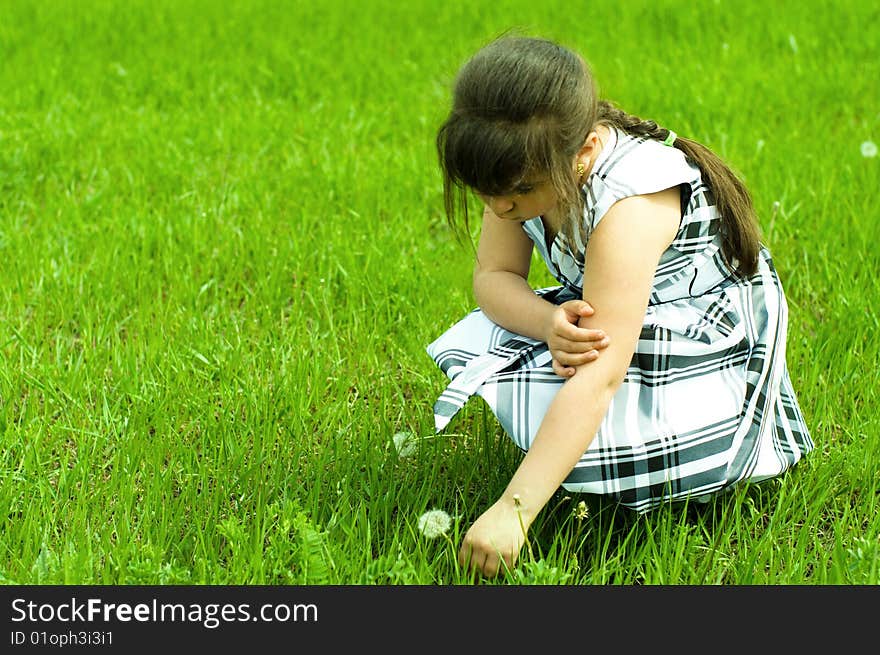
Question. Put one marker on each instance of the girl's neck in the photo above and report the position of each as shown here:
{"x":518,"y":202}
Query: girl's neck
{"x":551,"y":223}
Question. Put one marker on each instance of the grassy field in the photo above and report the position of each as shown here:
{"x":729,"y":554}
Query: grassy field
{"x":222,"y":253}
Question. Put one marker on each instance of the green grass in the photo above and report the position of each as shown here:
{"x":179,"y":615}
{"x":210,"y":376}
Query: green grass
{"x":223,"y":253}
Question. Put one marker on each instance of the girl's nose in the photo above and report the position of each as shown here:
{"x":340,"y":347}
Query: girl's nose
{"x":500,"y":205}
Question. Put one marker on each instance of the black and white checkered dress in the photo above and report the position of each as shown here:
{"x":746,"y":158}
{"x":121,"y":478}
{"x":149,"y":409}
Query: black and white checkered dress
{"x":706,"y":402}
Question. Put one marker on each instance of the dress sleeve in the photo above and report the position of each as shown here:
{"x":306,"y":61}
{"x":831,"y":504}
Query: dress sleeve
{"x":637,"y":167}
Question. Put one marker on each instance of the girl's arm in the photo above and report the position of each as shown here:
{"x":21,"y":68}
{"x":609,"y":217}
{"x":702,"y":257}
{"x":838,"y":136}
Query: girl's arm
{"x":621,"y":260}
{"x":501,"y":275}
{"x":502,"y":291}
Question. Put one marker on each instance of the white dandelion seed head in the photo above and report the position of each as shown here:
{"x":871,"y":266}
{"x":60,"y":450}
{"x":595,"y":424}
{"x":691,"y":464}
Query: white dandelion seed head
{"x":434,"y":523}
{"x":869,"y":149}
{"x":405,"y":443}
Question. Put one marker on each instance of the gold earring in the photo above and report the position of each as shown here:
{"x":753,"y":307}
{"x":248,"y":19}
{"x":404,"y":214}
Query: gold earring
{"x":580,"y":169}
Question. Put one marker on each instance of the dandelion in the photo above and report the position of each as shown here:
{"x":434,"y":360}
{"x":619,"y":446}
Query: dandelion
{"x":405,"y":443}
{"x":869,"y":149}
{"x":581,"y":512}
{"x":434,"y":523}
{"x":777,"y":206}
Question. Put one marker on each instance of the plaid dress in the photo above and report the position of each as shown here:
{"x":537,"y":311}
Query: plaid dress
{"x":706,"y":401}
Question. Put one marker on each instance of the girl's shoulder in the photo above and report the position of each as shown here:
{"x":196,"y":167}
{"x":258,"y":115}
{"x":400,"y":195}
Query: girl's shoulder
{"x":633,"y":166}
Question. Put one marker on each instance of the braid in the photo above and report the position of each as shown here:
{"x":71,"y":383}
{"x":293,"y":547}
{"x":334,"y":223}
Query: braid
{"x":739,"y":225}
{"x":610,"y":114}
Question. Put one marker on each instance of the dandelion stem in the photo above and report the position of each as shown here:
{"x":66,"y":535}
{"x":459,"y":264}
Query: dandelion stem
{"x":518,"y":504}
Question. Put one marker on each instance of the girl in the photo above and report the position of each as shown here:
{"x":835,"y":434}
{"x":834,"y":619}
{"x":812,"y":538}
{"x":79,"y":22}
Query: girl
{"x":655,"y":244}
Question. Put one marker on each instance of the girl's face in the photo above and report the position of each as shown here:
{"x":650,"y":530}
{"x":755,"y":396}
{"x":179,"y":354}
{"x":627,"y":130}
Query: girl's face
{"x":529,"y":199}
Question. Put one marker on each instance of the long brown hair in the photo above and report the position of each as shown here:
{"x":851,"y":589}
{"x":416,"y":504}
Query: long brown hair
{"x":524,"y":105}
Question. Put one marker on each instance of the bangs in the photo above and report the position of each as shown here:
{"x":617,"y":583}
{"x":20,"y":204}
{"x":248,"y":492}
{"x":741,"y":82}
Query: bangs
{"x":491,"y":157}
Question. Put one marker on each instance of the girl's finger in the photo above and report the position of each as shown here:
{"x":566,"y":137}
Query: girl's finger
{"x":567,"y":360}
{"x":578,"y":347}
{"x":562,"y":371}
{"x":574,"y":333}
{"x":490,"y":566}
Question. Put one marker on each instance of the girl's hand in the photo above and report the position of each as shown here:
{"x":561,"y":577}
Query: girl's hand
{"x":494,"y":540}
{"x":569,"y":344}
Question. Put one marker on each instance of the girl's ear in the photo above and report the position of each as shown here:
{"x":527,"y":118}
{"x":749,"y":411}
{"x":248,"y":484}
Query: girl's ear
{"x":591,"y":146}
{"x":588,"y":153}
